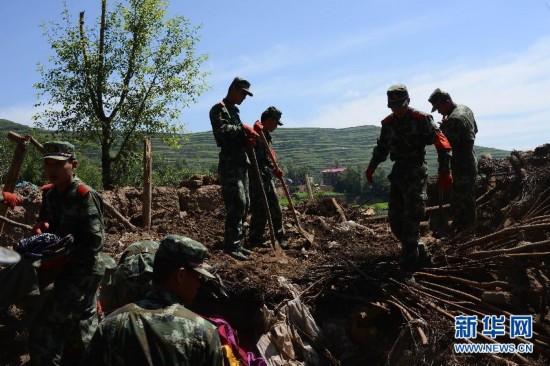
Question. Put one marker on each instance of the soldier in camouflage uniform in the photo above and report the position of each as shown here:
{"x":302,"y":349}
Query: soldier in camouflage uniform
{"x":404,"y":136}
{"x":132,"y":278}
{"x":270,"y":120}
{"x":160,"y":329}
{"x":233,"y":137}
{"x":68,"y":317}
{"x":460,"y":128}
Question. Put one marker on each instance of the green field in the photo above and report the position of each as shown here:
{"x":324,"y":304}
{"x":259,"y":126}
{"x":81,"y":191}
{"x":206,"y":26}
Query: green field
{"x":316,"y":148}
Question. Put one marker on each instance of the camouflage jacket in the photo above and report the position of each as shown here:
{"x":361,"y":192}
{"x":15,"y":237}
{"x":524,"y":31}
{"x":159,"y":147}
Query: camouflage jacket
{"x":155,"y":331}
{"x":78,"y":211}
{"x":460,"y":128}
{"x":405,"y":141}
{"x":262,"y":156}
{"x":228,"y":132}
{"x":132,"y":278}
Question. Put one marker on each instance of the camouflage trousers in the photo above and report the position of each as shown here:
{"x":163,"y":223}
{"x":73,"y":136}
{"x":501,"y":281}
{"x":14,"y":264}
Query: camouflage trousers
{"x":407,"y":204}
{"x":18,"y":281}
{"x":463,"y":202}
{"x":258,"y":212}
{"x":67,"y":320}
{"x":235,"y":194}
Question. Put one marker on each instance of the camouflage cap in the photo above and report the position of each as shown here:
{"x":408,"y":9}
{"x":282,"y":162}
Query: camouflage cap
{"x":138,"y":247}
{"x":243,"y":84}
{"x":59,"y":150}
{"x":437,"y":97}
{"x":398,"y":96}
{"x":273,"y":112}
{"x":185,"y":252}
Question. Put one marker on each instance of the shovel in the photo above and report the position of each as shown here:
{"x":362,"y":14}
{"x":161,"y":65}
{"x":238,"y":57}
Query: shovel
{"x":440,"y":223}
{"x":276,"y":247}
{"x":309,"y":237}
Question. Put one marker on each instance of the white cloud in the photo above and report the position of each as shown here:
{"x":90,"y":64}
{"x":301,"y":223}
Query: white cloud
{"x":508,"y":95}
{"x":306,"y":52}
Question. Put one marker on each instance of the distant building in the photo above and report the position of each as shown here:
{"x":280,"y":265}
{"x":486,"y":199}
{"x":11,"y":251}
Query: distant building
{"x":330,"y":176}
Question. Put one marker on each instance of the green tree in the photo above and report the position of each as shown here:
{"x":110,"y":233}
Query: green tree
{"x":350,"y":181}
{"x":295,"y":172}
{"x":129,"y":75}
{"x":6,"y":155}
{"x":379,"y":189}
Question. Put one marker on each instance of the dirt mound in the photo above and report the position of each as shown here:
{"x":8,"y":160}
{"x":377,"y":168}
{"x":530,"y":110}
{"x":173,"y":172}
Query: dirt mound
{"x":368,"y":312}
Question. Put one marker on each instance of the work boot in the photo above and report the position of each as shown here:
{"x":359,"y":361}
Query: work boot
{"x":244,"y":251}
{"x":283,"y":243}
{"x":408,"y":261}
{"x":258,"y":243}
{"x":424,"y":256}
{"x":237,"y":254}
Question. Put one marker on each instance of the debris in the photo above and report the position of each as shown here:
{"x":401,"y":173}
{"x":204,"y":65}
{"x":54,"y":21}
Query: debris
{"x":499,"y":267}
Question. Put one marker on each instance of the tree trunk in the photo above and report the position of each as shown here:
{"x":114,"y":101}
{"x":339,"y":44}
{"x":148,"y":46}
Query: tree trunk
{"x":147,"y":183}
{"x":106,"y":171}
{"x":106,"y":163}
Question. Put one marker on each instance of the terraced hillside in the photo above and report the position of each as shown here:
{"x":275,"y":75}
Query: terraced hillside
{"x":315,"y":148}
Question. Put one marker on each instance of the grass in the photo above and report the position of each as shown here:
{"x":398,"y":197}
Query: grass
{"x":381,"y":206}
{"x":302,"y":196}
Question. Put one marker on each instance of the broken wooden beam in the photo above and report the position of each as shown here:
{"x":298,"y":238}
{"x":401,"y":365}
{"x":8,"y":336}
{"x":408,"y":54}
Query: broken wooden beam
{"x":15,"y":223}
{"x":113,"y":212}
{"x":407,"y":315}
{"x":339,"y":210}
{"x":15,"y":167}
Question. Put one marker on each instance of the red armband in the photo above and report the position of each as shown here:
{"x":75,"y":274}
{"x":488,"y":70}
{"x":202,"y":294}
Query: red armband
{"x":441,"y":142}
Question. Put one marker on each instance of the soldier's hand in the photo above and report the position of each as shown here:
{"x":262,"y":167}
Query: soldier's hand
{"x":444,"y":180}
{"x":11,"y":200}
{"x":249,"y":130}
{"x":250,"y":141}
{"x":369,"y":173}
{"x":250,"y":135}
{"x":39,"y":226}
{"x":277,"y":172}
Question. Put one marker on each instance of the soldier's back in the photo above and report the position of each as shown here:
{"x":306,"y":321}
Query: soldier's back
{"x":156,"y":330}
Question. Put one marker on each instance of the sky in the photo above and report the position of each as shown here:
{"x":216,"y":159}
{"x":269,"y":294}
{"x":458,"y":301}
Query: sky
{"x":328,"y":63}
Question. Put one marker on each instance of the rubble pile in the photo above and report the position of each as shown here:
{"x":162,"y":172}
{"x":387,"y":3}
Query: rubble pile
{"x":357,"y":306}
